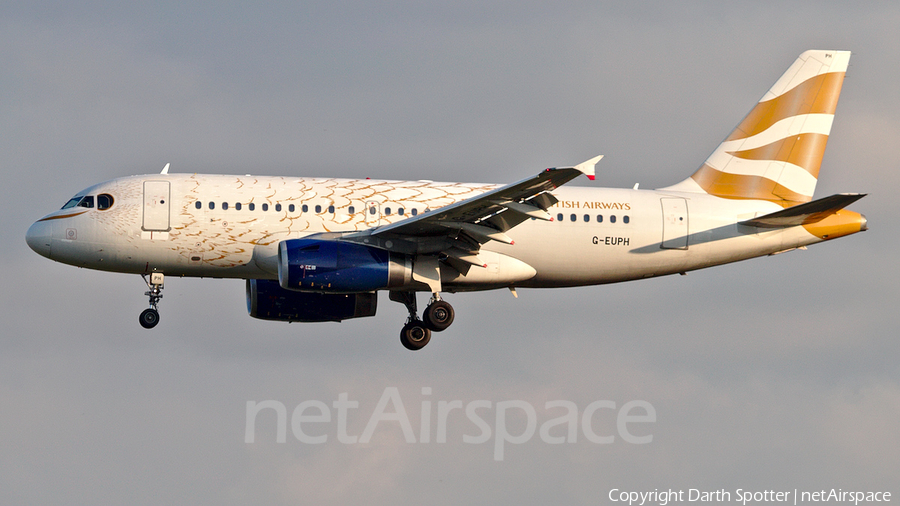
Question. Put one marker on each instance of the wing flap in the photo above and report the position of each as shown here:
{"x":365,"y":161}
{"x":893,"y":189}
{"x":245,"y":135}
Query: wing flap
{"x":525,"y":209}
{"x":480,"y":232}
{"x":466,"y":257}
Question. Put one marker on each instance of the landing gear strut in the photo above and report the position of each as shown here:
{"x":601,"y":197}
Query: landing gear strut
{"x":150,"y":316}
{"x":417,"y":333}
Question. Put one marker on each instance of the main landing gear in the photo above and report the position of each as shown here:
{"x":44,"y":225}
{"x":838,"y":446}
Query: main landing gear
{"x":150,"y":316}
{"x":438,"y":315}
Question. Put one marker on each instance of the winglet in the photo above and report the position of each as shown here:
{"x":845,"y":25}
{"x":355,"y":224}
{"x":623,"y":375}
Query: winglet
{"x":587,"y":168}
{"x":165,"y":169}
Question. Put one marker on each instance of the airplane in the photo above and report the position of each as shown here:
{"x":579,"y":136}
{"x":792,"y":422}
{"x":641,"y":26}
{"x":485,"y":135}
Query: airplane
{"x":320,"y":249}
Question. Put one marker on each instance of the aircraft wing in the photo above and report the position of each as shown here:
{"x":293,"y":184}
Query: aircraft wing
{"x":467,"y":224}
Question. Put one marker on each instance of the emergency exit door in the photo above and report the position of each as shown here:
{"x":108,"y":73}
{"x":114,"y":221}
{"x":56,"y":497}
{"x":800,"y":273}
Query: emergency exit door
{"x":373,"y":213}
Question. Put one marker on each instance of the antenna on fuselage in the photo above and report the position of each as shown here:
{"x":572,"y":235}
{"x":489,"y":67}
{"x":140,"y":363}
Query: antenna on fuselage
{"x":165,"y":169}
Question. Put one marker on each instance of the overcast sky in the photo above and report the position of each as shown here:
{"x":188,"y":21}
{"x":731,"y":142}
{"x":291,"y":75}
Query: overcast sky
{"x":775,"y":373}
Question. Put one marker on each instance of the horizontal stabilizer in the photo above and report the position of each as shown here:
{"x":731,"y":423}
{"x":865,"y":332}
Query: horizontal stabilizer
{"x":804,"y":214}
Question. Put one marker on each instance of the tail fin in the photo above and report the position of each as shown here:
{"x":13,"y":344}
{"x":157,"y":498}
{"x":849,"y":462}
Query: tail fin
{"x":775,"y":152}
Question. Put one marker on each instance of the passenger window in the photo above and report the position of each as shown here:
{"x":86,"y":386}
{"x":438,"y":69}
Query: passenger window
{"x":559,"y":217}
{"x":291,"y":208}
{"x":387,"y":211}
{"x":599,"y":218}
{"x":371,"y":210}
{"x":318,"y":209}
{"x":351,"y":210}
{"x":304,"y":208}
{"x":104,"y":201}
{"x":265,"y":207}
{"x":237,"y":207}
{"x":400,"y":211}
{"x":415,"y":211}
{"x":572,"y":217}
{"x":251,"y":206}
{"x":626,"y":219}
{"x":224,"y":206}
{"x":87,"y":202}
{"x":587,"y":218}
{"x":278,"y":208}
{"x":331,"y":209}
{"x":198,"y":205}
{"x":212,"y":205}
{"x":612,"y":218}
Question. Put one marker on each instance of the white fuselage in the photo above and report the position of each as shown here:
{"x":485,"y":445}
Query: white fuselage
{"x":230,"y":227}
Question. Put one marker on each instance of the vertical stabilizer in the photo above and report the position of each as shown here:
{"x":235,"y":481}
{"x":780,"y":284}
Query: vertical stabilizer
{"x":775,"y":152}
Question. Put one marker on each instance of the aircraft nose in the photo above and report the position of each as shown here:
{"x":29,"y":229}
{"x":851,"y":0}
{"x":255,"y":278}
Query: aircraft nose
{"x":38,"y":237}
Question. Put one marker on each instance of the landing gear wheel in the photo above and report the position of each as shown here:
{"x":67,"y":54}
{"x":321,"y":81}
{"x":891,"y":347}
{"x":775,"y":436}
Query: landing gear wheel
{"x":438,"y":315}
{"x":149,"y":318}
{"x":414,"y":335}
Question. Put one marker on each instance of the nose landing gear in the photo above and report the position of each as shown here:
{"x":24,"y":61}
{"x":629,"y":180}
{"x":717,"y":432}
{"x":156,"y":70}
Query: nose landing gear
{"x":150,"y":316}
{"x":417,"y":333}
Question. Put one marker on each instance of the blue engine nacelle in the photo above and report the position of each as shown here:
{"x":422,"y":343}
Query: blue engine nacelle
{"x":266,"y":300}
{"x":312,"y":265}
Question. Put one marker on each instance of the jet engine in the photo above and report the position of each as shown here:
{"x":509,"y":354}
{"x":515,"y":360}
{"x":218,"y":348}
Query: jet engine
{"x":267,"y":300}
{"x":312,"y":265}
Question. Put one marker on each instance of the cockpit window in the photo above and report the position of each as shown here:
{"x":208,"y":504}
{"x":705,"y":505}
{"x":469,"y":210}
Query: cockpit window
{"x":72,"y":202}
{"x":104,"y":201}
{"x":80,"y":201}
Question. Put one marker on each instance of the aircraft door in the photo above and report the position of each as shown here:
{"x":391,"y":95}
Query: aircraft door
{"x":156,"y":206}
{"x":675,"y":223}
